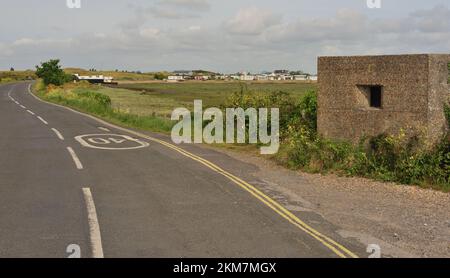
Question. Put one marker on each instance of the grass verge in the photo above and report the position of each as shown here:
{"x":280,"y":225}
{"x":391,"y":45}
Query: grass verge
{"x":84,"y":98}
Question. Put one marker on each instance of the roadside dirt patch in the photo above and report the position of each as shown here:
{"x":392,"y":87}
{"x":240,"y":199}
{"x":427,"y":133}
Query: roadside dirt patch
{"x":406,"y":221}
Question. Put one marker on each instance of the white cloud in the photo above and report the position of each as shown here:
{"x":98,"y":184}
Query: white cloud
{"x":252,"y":21}
{"x":197,"y":5}
{"x":251,"y":39}
{"x":149,"y":33}
{"x":179,"y":9}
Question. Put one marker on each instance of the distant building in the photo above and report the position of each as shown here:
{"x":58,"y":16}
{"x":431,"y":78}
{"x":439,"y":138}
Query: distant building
{"x":176,"y":78}
{"x":95,"y":79}
{"x":301,"y":77}
{"x":312,"y":78}
{"x":183,"y":72}
{"x":288,"y":77}
{"x":272,"y":77}
{"x":282,"y":72}
{"x":262,"y":77}
{"x":246,"y":77}
{"x":202,"y":77}
{"x":180,"y":75}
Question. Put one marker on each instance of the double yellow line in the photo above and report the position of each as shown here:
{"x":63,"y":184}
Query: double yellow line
{"x":335,"y":247}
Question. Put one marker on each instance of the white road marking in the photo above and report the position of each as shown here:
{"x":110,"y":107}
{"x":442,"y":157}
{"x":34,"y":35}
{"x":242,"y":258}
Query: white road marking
{"x":23,"y":106}
{"x":75,"y":158}
{"x":42,"y":120}
{"x":58,"y":134}
{"x":31,"y":112}
{"x":104,"y":129}
{"x":94,"y":227}
{"x":110,"y":142}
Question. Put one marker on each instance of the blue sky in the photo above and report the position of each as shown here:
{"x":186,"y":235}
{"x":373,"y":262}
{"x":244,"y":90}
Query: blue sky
{"x":225,"y":36}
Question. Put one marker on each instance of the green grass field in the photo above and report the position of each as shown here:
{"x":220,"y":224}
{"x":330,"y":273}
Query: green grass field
{"x":14,"y":76}
{"x":161,"y":99}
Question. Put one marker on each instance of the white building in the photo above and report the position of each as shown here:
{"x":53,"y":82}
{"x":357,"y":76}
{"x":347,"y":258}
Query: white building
{"x":262,"y":77}
{"x":301,"y":77}
{"x":202,"y":77}
{"x":94,"y":78}
{"x":247,"y":77}
{"x":175,"y":78}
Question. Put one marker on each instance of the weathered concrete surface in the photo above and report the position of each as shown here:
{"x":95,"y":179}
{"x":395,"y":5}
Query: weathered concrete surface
{"x":414,"y":88}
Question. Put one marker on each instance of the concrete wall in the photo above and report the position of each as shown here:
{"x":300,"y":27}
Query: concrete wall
{"x":414,"y":89}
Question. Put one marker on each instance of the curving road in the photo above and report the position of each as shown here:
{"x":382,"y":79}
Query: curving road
{"x":68,"y":179}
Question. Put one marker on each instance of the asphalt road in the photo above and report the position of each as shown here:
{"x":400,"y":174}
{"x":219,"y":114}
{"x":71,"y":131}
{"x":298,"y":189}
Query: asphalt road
{"x":68,"y":179}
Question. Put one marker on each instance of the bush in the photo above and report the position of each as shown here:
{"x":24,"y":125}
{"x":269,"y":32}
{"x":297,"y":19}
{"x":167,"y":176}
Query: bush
{"x":100,"y":99}
{"x":398,"y":158}
{"x":447,"y":113}
{"x":161,"y":76}
{"x":52,"y":74}
{"x":308,"y":108}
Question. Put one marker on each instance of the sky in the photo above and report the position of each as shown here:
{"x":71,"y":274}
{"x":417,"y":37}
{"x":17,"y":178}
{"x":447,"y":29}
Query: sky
{"x":217,"y":35}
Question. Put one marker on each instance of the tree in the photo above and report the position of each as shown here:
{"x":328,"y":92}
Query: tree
{"x":12,"y":69}
{"x":160,"y":76}
{"x":52,"y":73}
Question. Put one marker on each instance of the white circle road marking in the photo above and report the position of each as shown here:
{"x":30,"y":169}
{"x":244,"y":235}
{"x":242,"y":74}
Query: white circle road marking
{"x":113,"y":140}
{"x":100,"y":141}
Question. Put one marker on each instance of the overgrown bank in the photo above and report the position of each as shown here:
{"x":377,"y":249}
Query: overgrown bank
{"x":85,"y":98}
{"x":398,"y":158}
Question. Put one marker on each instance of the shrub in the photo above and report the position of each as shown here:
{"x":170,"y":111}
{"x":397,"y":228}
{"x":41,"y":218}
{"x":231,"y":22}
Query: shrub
{"x":403,"y":157}
{"x":99,"y":98}
{"x":161,"y":76}
{"x":308,"y":108}
{"x":447,"y":113}
{"x":52,"y":73}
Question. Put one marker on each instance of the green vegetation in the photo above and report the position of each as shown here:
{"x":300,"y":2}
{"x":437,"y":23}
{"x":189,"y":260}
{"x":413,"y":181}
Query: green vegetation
{"x":86,"y":98}
{"x":160,"y":98}
{"x":447,"y":112}
{"x":14,"y":76}
{"x":398,"y":158}
{"x":161,"y":75}
{"x":52,"y":74}
{"x":448,"y":66}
